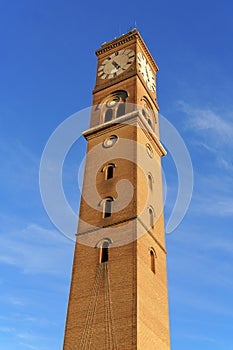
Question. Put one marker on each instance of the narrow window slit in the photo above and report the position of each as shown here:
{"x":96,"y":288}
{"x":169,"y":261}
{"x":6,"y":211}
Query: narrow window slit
{"x":107,"y":208}
{"x":109,"y":172}
{"x":152,"y":260}
{"x":104,"y":252}
{"x":150,"y":180}
{"x":151,"y":214}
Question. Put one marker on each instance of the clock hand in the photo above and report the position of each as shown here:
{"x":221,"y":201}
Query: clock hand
{"x":116,"y":65}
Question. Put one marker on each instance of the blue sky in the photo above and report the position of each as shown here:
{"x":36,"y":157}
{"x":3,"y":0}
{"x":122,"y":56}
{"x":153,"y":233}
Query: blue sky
{"x":48,"y":71}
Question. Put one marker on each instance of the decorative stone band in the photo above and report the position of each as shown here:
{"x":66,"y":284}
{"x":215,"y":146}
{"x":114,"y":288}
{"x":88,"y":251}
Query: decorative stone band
{"x":125,"y":119}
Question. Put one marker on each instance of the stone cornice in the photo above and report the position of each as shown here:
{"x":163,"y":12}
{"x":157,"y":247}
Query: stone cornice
{"x":117,"y":42}
{"x":125,"y":38}
{"x":119,"y":122}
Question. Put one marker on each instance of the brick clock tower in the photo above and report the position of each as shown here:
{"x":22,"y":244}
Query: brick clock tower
{"x":118,"y":296}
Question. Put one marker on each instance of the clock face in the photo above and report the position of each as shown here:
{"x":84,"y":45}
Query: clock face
{"x":146,"y":72}
{"x":116,"y":64}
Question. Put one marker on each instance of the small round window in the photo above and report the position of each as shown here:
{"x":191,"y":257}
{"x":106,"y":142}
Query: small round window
{"x":110,"y":141}
{"x":149,"y":150}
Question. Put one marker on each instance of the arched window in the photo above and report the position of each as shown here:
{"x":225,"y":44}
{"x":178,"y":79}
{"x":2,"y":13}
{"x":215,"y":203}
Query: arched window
{"x":148,"y":113}
{"x":104,"y":252}
{"x":113,"y":106}
{"x":121,"y":110}
{"x":143,"y":112}
{"x":152,"y":259}
{"x":152,"y":216}
{"x":149,"y":122}
{"x":108,"y":115}
{"x":103,"y":247}
{"x":109,"y":171}
{"x":149,"y":150}
{"x":150,"y":181}
{"x":107,"y":207}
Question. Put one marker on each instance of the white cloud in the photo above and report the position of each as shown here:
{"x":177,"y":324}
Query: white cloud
{"x":225,"y":163}
{"x":36,"y":250}
{"x":29,"y":346}
{"x":4,"y":329}
{"x":30,"y":340}
{"x":200,"y":239}
{"x":206,"y":120}
{"x":15,"y":300}
{"x":222,"y":158}
{"x":196,"y":337}
{"x":213,"y":193}
{"x":24,"y":335}
{"x":19,"y":166}
{"x":215,"y":206}
{"x":202,"y":258}
{"x":198,"y":301}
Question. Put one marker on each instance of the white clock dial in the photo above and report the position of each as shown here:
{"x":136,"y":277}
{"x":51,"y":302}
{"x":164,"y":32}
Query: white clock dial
{"x":116,"y":64}
{"x":146,"y":71}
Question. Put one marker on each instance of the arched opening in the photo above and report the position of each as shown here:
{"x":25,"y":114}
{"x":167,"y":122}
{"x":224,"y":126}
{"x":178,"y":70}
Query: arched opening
{"x":149,"y":122}
{"x":108,"y":171}
{"x":152,"y":217}
{"x":104,"y":252}
{"x":103,"y":249}
{"x":148,"y":113}
{"x":150,"y":181}
{"x":107,"y":207}
{"x":113,"y":106}
{"x":149,"y":150}
{"x":152,"y":260}
{"x":108,"y":115}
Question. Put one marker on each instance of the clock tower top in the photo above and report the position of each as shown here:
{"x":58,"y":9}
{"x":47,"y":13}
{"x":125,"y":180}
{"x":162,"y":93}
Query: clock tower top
{"x":125,"y":81}
{"x":125,"y":57}
{"x":131,"y":36}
